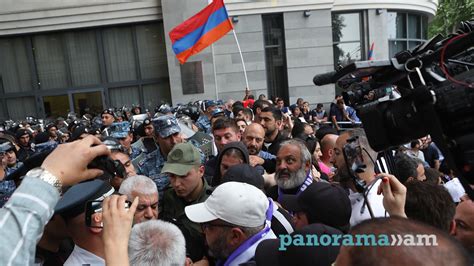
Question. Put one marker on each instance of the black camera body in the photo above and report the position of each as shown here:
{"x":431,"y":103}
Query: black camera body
{"x":436,"y":84}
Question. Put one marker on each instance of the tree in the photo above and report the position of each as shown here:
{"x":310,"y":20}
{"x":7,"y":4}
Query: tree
{"x":337,"y":26}
{"x":450,"y":13}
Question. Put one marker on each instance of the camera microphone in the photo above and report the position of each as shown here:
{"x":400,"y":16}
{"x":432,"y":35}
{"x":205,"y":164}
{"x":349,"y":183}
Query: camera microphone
{"x":324,"y":79}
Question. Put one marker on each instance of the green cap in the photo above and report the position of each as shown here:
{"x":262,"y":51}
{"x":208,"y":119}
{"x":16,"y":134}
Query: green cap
{"x":181,"y":159}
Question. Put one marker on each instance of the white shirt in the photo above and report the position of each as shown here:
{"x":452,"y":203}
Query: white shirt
{"x":361,"y":212}
{"x":80,"y":256}
{"x":455,"y":189}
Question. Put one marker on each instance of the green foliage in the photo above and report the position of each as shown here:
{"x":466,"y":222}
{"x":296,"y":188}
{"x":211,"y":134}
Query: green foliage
{"x":450,"y":13}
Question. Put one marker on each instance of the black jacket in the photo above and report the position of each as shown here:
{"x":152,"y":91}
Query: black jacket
{"x":216,"y":180}
{"x":275,"y":146}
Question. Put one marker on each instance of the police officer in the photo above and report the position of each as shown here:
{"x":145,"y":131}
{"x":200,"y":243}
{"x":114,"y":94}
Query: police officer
{"x":121,"y":131}
{"x":108,"y":117}
{"x":167,"y":133}
{"x":23,"y":138}
{"x":204,"y":120}
{"x":7,"y":154}
{"x":186,"y":171}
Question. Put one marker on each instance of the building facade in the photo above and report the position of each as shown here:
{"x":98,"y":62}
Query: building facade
{"x":59,"y":56}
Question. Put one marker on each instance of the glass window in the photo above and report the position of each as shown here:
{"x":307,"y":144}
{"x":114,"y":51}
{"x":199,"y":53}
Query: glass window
{"x":414,"y":27}
{"x":50,"y":61}
{"x":405,"y":31}
{"x":119,"y":54}
{"x":87,"y":102}
{"x":397,"y":46}
{"x":83,"y":57}
{"x":89,"y":59}
{"x":15,"y":75}
{"x":152,"y":51}
{"x":156,"y":94}
{"x":275,"y":55}
{"x":55,"y":106}
{"x":346,"y":53}
{"x":347,"y":40}
{"x":124,"y":96}
{"x":19,"y":108}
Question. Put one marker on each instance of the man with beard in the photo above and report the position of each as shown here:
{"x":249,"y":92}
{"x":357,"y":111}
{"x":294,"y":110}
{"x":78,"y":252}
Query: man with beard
{"x":293,"y":165}
{"x":253,"y":138}
{"x":235,"y":219}
{"x":362,"y":206}
{"x":271,"y":119}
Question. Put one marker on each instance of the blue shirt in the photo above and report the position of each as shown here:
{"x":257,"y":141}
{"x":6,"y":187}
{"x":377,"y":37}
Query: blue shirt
{"x":204,"y":124}
{"x":266,"y":155}
{"x":351,"y":112}
{"x":151,"y":166}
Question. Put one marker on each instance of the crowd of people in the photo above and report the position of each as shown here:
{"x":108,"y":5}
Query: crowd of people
{"x":214,"y":183}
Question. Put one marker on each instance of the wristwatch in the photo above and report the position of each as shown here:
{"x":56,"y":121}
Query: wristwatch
{"x":47,"y":177}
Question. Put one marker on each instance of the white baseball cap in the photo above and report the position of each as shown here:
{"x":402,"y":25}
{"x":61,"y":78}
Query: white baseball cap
{"x":236,"y":203}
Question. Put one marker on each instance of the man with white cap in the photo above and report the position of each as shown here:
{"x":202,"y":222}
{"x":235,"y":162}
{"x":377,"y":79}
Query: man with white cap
{"x":235,"y":219}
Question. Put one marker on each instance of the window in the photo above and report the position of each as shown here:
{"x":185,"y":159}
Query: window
{"x":156,"y":94}
{"x":405,"y":31}
{"x":50,"y":61}
{"x":124,"y":96}
{"x":19,"y":108}
{"x":275,"y":55}
{"x":73,"y":70}
{"x":81,"y":48}
{"x":347,"y":36}
{"x":15,"y":74}
{"x":152,"y":51}
{"x":119,"y":54}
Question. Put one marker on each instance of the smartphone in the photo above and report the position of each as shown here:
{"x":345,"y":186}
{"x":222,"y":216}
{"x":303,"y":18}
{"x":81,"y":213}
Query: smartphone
{"x":355,"y":161}
{"x":94,"y":213}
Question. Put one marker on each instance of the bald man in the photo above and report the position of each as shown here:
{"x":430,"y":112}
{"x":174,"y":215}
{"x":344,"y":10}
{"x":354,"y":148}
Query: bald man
{"x":328,"y":142}
{"x":253,"y":138}
{"x":367,"y":178}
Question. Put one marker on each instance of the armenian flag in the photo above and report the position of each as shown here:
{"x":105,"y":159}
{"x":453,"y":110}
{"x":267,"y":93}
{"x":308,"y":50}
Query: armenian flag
{"x":200,"y":31}
{"x":370,"y":56}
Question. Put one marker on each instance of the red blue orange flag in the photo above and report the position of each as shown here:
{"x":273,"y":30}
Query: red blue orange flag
{"x":200,"y":31}
{"x":371,"y":52}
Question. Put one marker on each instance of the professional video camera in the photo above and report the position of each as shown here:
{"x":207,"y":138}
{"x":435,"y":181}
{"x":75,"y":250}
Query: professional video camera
{"x":426,"y":90}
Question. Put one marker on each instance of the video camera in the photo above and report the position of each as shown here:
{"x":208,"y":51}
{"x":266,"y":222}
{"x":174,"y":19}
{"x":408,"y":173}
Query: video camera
{"x":426,"y":90}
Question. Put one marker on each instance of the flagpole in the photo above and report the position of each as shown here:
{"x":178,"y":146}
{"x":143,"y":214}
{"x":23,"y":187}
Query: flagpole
{"x":241,"y":58}
{"x":214,"y":62}
{"x":215,"y":71}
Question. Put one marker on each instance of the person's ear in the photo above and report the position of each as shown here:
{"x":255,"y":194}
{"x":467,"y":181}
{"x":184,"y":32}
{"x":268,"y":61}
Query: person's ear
{"x":237,"y":236}
{"x":452,"y":227}
{"x":308,"y":165}
{"x":201,"y":170}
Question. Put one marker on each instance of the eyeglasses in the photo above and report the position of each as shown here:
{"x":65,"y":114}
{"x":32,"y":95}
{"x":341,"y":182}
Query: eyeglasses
{"x":209,"y":225}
